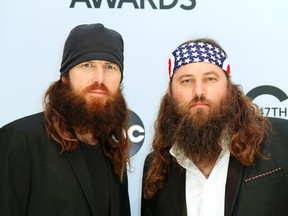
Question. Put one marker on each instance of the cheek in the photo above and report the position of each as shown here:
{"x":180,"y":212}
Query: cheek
{"x":80,"y":82}
{"x":74,"y":85}
{"x":78,"y":87}
{"x":220,"y":96}
{"x":182,"y":97}
{"x":113,"y":85}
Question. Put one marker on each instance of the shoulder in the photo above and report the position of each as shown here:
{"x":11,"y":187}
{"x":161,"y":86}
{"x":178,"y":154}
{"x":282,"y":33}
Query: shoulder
{"x":278,"y":138}
{"x":279,"y":128}
{"x":148,"y":160}
{"x":32,"y":125}
{"x":279,"y":124}
{"x":26,"y":122}
{"x":25,"y":134}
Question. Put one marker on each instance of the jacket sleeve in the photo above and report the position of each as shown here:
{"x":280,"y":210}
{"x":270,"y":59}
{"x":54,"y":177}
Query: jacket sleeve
{"x":125,"y":203}
{"x":15,"y":171}
{"x":145,"y":203}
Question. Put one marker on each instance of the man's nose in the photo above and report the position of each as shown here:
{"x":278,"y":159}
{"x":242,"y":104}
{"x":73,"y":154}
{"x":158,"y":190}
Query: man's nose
{"x":98,"y":75}
{"x":199,"y":89}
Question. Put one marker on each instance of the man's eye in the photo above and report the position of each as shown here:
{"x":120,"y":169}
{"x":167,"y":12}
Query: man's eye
{"x":210,"y":79}
{"x":86,"y":65}
{"x":186,"y":81}
{"x":110,"y":67}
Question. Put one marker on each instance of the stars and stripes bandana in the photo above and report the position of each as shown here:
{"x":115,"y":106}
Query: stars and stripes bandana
{"x":197,"y":52}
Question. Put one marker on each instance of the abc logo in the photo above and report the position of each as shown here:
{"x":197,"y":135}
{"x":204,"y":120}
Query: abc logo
{"x":136,"y":133}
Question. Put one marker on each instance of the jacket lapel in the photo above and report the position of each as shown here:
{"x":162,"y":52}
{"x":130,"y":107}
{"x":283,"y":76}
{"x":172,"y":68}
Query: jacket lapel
{"x":114,"y":192}
{"x":178,"y":190}
{"x":80,"y":169}
{"x":234,"y":177}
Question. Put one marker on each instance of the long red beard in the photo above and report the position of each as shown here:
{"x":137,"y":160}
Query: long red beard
{"x":96,"y":116}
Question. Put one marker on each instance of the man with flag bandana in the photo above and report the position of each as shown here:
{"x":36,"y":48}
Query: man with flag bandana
{"x":213,"y":153}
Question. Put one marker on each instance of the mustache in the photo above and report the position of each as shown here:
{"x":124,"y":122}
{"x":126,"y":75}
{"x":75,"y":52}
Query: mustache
{"x":197,"y":99}
{"x":97,"y":86}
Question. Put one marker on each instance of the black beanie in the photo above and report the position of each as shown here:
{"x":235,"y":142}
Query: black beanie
{"x":92,"y":42}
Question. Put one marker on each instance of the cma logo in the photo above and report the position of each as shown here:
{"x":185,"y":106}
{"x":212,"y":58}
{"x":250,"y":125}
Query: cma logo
{"x":136,"y":133}
{"x":272,"y":111}
{"x":138,"y":4}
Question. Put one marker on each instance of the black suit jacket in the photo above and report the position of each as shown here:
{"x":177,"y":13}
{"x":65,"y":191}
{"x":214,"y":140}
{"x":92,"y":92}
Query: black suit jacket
{"x":37,"y":179}
{"x":257,"y":190}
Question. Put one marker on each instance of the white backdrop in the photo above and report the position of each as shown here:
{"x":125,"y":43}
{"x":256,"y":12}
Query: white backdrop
{"x":254,"y":34}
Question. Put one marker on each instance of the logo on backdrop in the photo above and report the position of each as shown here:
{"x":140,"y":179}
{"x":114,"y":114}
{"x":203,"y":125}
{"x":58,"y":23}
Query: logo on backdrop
{"x":137,"y":4}
{"x":278,"y":110}
{"x":136,"y":133}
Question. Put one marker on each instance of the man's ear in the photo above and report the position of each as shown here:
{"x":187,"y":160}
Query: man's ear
{"x":64,"y":79}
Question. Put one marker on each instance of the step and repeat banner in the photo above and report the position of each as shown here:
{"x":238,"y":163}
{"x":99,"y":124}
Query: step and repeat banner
{"x":253,"y":33}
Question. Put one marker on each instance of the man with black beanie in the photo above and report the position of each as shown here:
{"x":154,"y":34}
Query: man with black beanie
{"x":71,"y":159}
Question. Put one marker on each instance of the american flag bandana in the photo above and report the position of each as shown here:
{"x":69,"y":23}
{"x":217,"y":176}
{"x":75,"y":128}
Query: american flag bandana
{"x":197,"y":52}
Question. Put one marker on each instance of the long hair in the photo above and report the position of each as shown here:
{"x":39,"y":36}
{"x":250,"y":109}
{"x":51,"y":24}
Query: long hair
{"x":248,"y":131}
{"x":58,"y":128}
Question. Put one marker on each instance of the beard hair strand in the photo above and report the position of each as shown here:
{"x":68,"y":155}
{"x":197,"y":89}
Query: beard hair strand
{"x":199,"y":136}
{"x":95,"y":116}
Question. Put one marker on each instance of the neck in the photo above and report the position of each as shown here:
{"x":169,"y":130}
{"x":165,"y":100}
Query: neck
{"x":205,"y":167}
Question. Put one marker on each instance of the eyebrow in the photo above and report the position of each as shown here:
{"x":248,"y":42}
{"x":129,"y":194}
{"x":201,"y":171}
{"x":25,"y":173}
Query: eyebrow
{"x":191,"y":75}
{"x":185,"y":75}
{"x":211,"y":72}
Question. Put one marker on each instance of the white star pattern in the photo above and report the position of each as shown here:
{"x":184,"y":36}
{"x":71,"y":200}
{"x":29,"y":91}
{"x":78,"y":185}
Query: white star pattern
{"x":184,"y":50}
{"x":188,"y":60}
{"x":195,"y":54}
{"x":201,"y":44}
{"x":199,"y":52}
{"x":211,"y":52}
{"x":202,"y":49}
{"x":193,"y":49}
{"x":185,"y":55}
{"x":209,"y":46}
{"x":205,"y":55}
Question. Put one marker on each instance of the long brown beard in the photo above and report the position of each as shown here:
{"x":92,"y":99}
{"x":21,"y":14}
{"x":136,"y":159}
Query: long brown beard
{"x":96,"y":117}
{"x":199,"y":135}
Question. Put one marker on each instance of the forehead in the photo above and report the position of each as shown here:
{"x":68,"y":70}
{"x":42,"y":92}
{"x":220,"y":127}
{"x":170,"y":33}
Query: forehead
{"x":199,"y":69}
{"x":97,"y":61}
